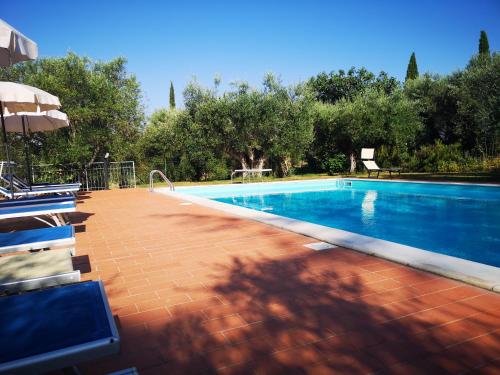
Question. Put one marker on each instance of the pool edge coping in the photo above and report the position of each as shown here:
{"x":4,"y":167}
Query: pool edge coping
{"x":490,"y":184}
{"x":470,"y":272}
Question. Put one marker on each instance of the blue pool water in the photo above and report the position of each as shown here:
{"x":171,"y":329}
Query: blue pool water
{"x":457,"y":220}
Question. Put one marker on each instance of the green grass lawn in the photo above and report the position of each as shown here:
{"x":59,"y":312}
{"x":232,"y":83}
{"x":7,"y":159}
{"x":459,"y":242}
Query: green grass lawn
{"x":479,"y":177}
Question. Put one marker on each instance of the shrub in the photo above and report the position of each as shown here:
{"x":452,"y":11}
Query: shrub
{"x":438,"y":158}
{"x":216,"y":170}
{"x":336,"y":164}
{"x":387,"y":156}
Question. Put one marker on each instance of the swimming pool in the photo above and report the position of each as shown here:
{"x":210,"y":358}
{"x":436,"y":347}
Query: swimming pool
{"x":459,"y":220}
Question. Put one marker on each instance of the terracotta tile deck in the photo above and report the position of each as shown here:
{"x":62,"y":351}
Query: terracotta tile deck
{"x":197,"y":291}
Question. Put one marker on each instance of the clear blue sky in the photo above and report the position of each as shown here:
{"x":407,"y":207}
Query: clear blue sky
{"x":242,"y":40}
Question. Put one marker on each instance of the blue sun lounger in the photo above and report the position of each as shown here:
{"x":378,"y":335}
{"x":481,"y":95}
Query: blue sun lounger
{"x":21,"y":185}
{"x":37,"y":239}
{"x":56,"y":328}
{"x":54,"y":210}
{"x":30,"y":193}
{"x":39,"y":191}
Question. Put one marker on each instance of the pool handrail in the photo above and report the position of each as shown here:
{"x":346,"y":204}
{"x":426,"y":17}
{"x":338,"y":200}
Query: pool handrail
{"x":162,"y":175}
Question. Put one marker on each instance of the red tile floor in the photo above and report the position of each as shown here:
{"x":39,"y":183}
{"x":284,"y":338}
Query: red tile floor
{"x":195,"y":290}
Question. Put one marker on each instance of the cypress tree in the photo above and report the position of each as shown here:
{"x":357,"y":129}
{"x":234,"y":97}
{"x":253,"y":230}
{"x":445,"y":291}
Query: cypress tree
{"x":172,"y":96}
{"x":484,"y":46}
{"x":412,"y":70}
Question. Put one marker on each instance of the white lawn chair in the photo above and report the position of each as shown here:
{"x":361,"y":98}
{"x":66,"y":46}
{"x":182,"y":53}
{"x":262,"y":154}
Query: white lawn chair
{"x":367,"y":156}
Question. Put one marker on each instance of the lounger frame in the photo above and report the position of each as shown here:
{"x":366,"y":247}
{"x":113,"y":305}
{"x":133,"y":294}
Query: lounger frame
{"x":367,"y":156}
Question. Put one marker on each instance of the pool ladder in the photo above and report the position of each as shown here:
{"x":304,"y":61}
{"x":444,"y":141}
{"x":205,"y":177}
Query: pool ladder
{"x":342,"y":183}
{"x":162,"y":175}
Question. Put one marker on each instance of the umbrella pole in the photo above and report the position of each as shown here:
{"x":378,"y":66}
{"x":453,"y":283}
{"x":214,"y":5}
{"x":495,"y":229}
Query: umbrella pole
{"x":7,"y":154}
{"x":27,"y":153}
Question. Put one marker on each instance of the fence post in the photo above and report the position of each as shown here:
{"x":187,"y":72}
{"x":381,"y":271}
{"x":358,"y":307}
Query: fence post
{"x":133,"y":169}
{"x":86,"y":179}
{"x":106,"y":171}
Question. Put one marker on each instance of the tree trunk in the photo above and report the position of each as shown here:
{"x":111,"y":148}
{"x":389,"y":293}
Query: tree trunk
{"x":250,"y":162}
{"x":94,"y":156}
{"x":352,"y":158}
{"x":259,"y":165}
{"x":244,"y":164}
{"x":286,"y":166}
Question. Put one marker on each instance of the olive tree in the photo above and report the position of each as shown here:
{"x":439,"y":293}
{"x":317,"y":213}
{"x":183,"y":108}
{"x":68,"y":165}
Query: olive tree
{"x":270,"y":123}
{"x":103,"y":103}
{"x":371,"y":119}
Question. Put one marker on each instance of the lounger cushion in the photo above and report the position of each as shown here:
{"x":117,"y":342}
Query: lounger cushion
{"x":371,"y":165}
{"x":367,"y":153}
{"x":34,"y":239}
{"x":56,"y":327}
{"x":15,"y":268}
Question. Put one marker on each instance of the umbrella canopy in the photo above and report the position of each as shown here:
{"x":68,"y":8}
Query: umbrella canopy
{"x":40,"y":121}
{"x":14,"y":46}
{"x":16,"y":97}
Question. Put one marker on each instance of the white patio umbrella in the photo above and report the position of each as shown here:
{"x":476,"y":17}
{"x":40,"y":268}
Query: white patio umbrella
{"x":14,"y":46}
{"x":40,"y":121}
{"x":16,"y":97}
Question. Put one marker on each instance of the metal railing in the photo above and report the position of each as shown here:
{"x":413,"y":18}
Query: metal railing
{"x":94,"y":176}
{"x":162,"y":175}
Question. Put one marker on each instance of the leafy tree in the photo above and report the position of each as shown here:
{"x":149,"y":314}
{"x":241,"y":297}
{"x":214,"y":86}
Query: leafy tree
{"x":272,"y":123}
{"x":478,"y":105}
{"x":371,"y":119}
{"x":157,"y":143}
{"x":173,"y":142}
{"x":462,"y":108}
{"x":187,"y":143}
{"x":102,"y":101}
{"x":412,"y":69}
{"x":172,"y":96}
{"x":330,"y":88}
{"x":436,"y":101}
{"x":243,"y":127}
{"x":484,"y":45}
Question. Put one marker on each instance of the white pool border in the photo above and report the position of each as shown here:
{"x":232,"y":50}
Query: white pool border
{"x":478,"y":274}
{"x":334,"y":178}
